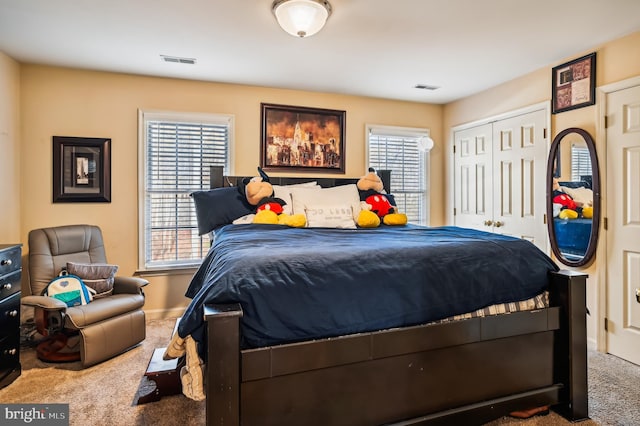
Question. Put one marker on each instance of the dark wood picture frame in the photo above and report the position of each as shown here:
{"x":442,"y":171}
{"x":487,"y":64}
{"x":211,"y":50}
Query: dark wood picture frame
{"x":302,"y":139}
{"x":81,"y":169}
{"x":574,"y":84}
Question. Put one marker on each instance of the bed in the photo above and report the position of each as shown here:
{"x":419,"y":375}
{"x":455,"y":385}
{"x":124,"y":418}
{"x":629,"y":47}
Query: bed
{"x":362,"y":345}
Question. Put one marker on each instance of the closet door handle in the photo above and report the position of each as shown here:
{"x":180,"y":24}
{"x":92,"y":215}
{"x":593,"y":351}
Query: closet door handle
{"x":498,"y":224}
{"x":488,"y":222}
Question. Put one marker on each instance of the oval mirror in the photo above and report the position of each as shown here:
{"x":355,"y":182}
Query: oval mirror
{"x":573,"y":197}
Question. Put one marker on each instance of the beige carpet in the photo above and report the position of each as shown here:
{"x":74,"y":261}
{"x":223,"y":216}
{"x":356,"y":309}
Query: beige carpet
{"x":105,"y":394}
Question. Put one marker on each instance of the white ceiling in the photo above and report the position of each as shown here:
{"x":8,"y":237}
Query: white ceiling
{"x":379,"y":48}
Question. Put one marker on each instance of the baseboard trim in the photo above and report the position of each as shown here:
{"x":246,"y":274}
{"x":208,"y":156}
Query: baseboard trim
{"x":155,"y":314}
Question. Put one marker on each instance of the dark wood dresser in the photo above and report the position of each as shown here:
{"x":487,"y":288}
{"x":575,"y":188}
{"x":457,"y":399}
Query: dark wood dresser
{"x":10,"y":269}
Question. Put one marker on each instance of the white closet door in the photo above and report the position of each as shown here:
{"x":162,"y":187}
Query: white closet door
{"x":520,"y":163}
{"x":623,"y":233}
{"x":500,"y":176}
{"x":473,"y":178}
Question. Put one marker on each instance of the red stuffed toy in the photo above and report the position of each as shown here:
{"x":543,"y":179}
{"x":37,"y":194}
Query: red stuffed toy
{"x":270,"y":203}
{"x":379,"y":203}
{"x":566,"y":201}
{"x":377,"y":206}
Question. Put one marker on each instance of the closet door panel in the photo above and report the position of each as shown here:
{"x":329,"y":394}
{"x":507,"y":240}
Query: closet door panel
{"x":521,"y":154}
{"x":473,"y":177}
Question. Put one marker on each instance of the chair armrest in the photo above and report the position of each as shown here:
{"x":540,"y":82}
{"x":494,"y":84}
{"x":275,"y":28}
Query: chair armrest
{"x":130,"y":285}
{"x":44,"y":302}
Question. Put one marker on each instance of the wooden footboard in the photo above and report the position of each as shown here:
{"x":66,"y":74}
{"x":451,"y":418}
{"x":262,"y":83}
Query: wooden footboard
{"x":469,"y":371}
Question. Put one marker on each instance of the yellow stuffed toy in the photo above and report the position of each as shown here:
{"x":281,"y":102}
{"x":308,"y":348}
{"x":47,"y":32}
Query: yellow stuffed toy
{"x":568,"y":214}
{"x":259,"y":192}
{"x":377,"y":207}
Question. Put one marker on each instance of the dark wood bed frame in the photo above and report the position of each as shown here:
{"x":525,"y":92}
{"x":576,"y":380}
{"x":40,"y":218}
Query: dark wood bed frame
{"x":463,"y":372}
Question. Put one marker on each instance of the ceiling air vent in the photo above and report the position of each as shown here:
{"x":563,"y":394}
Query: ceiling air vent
{"x":426,"y":87}
{"x":178,"y":60}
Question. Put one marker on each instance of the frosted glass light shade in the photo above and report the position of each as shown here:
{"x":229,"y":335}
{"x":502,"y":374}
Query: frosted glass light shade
{"x":425,"y":143}
{"x":301,"y":18}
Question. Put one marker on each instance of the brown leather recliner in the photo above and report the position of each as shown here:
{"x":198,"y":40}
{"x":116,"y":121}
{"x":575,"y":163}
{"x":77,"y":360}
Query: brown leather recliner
{"x":107,"y":326}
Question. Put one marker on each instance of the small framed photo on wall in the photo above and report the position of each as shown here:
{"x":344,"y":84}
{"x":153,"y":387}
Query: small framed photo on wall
{"x":81,"y":169}
{"x":574,"y":84}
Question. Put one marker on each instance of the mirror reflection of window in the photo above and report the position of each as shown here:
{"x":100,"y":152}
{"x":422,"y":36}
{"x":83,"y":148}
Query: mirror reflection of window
{"x":580,"y":163}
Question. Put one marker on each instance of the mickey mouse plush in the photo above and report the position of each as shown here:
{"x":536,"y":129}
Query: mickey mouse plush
{"x":569,"y":208}
{"x":259,"y":192}
{"x":377,"y":206}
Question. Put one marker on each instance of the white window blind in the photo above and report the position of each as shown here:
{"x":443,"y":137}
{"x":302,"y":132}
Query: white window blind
{"x":398,"y":149}
{"x":178,"y":151}
{"x":580,"y":163}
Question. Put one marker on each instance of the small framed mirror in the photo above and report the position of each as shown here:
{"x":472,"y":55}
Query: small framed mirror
{"x":573,"y":197}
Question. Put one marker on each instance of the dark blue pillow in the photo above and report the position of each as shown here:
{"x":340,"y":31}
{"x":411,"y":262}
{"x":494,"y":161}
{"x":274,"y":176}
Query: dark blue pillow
{"x":218,"y":207}
{"x":576,"y":184}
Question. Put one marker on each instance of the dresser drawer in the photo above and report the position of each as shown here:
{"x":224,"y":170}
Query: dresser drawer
{"x":9,"y":351}
{"x":9,"y":359}
{"x":10,"y":260}
{"x":10,"y":315}
{"x":9,"y":284}
{"x":9,"y":340}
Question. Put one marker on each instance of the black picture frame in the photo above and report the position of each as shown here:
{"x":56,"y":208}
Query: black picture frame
{"x":302,"y":139}
{"x":574,"y":84}
{"x":81,"y":169}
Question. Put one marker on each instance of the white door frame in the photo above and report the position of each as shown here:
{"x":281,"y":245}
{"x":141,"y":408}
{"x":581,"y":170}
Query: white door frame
{"x":450,"y":181}
{"x":601,"y":251}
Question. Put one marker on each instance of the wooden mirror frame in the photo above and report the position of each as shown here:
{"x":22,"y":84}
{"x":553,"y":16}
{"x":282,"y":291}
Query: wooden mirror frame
{"x":595,"y":187}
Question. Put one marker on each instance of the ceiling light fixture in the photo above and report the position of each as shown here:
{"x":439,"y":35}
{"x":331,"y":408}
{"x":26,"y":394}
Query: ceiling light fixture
{"x":301,"y":18}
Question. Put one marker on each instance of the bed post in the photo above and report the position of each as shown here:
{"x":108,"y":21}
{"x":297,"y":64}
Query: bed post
{"x":223,"y":364}
{"x":568,"y":290}
{"x":385,"y":177}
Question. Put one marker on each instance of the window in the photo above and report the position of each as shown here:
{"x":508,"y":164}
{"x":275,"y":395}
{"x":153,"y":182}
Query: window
{"x":580,"y":163}
{"x":404,"y":152}
{"x":176,"y":150}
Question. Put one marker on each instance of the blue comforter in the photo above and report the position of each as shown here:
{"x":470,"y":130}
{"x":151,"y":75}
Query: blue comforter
{"x":298,"y":284}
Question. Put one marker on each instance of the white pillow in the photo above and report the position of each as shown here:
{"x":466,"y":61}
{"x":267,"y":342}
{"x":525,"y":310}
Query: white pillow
{"x":580,"y":195}
{"x":343,"y":195}
{"x":244,"y":220}
{"x":330,"y":216}
{"x":284,"y":193}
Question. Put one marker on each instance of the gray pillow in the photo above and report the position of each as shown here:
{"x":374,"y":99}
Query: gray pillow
{"x":98,"y":276}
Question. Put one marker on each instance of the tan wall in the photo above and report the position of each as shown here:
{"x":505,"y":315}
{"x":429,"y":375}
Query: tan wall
{"x":68,"y":102}
{"x":615,"y":61}
{"x":9,"y":150}
{"x":56,"y":101}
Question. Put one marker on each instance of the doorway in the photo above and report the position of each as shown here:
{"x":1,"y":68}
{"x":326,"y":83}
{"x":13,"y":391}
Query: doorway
{"x":620,"y":260}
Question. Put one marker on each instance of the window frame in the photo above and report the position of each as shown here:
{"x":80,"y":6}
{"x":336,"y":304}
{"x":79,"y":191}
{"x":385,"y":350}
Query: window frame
{"x":400,"y":131}
{"x":144,"y":116}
